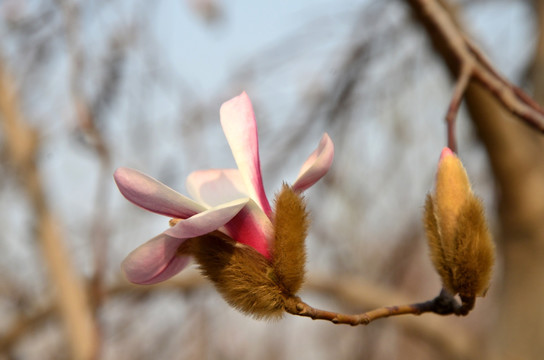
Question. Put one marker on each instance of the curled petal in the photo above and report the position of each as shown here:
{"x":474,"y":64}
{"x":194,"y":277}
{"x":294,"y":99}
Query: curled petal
{"x":217,"y":186}
{"x":207,"y":221}
{"x":159,"y":258}
{"x":240,"y":128}
{"x":155,"y":261}
{"x":153,"y":195}
{"x":251,"y":226}
{"x":316,"y":166}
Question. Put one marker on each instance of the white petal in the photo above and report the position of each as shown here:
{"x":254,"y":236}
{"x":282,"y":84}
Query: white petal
{"x":216,"y":186}
{"x":155,"y":261}
{"x":240,"y":128}
{"x":153,"y":195}
{"x":207,"y":221}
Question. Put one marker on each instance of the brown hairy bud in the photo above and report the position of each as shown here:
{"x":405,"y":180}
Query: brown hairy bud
{"x":460,"y":244}
{"x":243,"y":276}
{"x":475,"y":252}
{"x":290,"y":230}
{"x":246,"y":279}
{"x":439,"y":257}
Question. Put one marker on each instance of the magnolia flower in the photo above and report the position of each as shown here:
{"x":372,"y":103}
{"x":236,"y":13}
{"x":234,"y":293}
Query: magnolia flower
{"x":459,"y":241}
{"x":227,"y":204}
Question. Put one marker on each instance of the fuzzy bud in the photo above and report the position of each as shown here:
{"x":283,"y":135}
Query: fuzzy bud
{"x":290,"y":230}
{"x":246,"y":279}
{"x":460,"y":244}
{"x":243,"y":276}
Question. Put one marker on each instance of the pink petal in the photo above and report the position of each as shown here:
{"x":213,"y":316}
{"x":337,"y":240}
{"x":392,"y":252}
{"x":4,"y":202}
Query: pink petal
{"x":446,"y":152}
{"x":214,"y":187}
{"x":158,"y":259}
{"x":316,"y":166}
{"x":238,"y":122}
{"x":251,"y":226}
{"x":153,"y":195}
{"x":207,"y":221}
{"x":155,"y":261}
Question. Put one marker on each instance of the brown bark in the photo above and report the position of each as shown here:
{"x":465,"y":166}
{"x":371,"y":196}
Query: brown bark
{"x":515,"y":153}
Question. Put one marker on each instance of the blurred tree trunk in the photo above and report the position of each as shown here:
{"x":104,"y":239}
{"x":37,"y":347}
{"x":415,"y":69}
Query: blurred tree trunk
{"x":21,"y":144}
{"x":515,"y":153}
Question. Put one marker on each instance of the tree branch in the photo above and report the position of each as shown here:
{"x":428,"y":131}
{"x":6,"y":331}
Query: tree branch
{"x":469,"y":63}
{"x":21,"y":142}
{"x":460,"y":88}
{"x":85,"y":117}
{"x":443,"y":304}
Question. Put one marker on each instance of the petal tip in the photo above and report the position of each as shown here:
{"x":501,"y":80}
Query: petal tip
{"x":241,"y":100}
{"x":317,"y":164}
{"x":120,"y":174}
{"x":124,"y":179}
{"x":446,"y":152}
{"x":154,"y":261}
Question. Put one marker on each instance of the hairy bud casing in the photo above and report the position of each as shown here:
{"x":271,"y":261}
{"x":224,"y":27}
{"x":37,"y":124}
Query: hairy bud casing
{"x":246,"y":279}
{"x":460,"y":244}
{"x":243,"y":276}
{"x":290,"y":230}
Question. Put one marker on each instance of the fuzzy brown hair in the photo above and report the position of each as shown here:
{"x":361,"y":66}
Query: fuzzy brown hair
{"x":475,"y":253}
{"x":290,"y":230}
{"x":246,"y":279}
{"x":465,"y":260}
{"x":243,"y":276}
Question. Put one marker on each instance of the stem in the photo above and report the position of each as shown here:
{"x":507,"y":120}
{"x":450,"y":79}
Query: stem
{"x":458,"y":92}
{"x":449,"y":39}
{"x":443,"y":304}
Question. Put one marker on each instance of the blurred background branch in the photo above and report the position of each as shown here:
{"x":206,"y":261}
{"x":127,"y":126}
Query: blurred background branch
{"x":350,"y":292}
{"x":21,"y":142}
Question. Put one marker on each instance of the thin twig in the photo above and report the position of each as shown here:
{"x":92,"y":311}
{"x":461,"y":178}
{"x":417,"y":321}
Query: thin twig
{"x":85,"y":116}
{"x":22,"y":326}
{"x":443,"y":304}
{"x":22,"y":148}
{"x":457,"y":97}
{"x":468,"y":55}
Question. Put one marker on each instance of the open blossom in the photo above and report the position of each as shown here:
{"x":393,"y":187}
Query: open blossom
{"x":229,"y":213}
{"x":459,"y":241}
